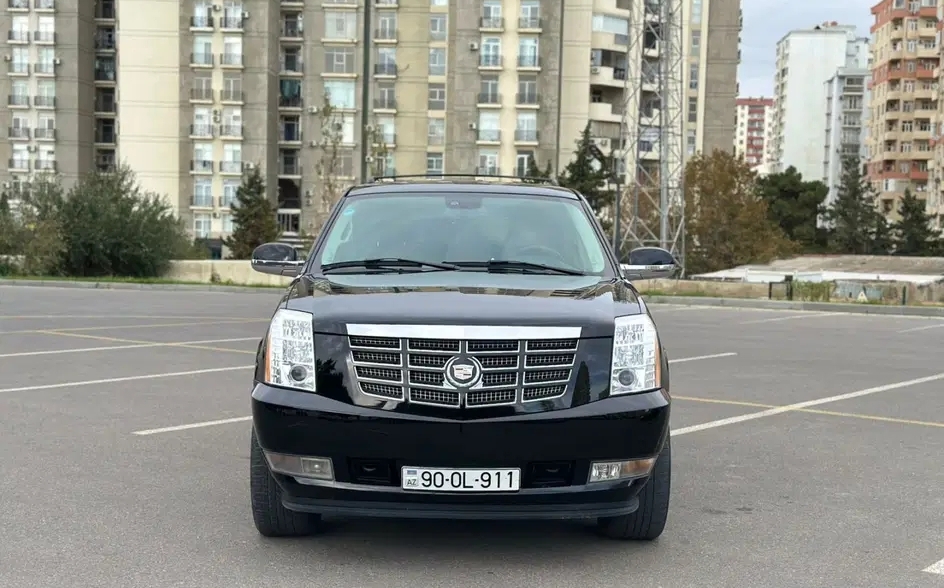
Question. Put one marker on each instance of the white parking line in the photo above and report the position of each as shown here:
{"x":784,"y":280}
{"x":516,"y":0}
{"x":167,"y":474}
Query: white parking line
{"x":247,"y":418}
{"x":937,"y":568}
{"x":114,"y":347}
{"x":782,"y":409}
{"x":123,"y":379}
{"x":791,"y":317}
{"x":924,"y":328}
{"x":701,"y":357}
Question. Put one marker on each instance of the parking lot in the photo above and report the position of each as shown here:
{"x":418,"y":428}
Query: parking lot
{"x":808,"y":452}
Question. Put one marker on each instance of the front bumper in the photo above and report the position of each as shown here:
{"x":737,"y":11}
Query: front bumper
{"x":368,"y":447}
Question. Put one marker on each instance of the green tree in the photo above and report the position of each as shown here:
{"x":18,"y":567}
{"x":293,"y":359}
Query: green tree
{"x":110,"y":226}
{"x":912,"y":233}
{"x":583,"y":176}
{"x":727,"y":221}
{"x":254,"y":217}
{"x":854,"y":224}
{"x":533,"y":171}
{"x":41,"y":240}
{"x":793,"y":204}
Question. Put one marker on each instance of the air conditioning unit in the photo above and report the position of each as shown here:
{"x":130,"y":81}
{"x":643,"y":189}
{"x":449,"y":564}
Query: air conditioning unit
{"x":313,"y":143}
{"x":7,"y":57}
{"x":245,"y":15}
{"x":57,"y":61}
{"x":473,"y":126}
{"x":473,"y":46}
{"x":369,"y":159}
{"x":595,"y":70}
{"x":217,"y":8}
{"x":248,"y":165}
{"x":216,"y":214}
{"x":312,"y":110}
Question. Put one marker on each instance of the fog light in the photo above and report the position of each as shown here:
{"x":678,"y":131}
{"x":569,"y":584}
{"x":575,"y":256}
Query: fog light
{"x":315,"y":468}
{"x":607,"y":471}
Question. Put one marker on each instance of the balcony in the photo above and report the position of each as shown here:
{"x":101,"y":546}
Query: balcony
{"x":386,"y":139}
{"x":201,"y":131}
{"x":201,"y":166}
{"x":528,"y":99}
{"x":105,"y":42}
{"x":491,"y":23}
{"x":19,"y":36}
{"x":103,"y":74}
{"x":292,"y":30}
{"x":18,"y":133}
{"x":385,"y":103}
{"x":291,"y":65}
{"x":202,"y":201}
{"x":385,"y":69}
{"x":490,"y":60}
{"x":529,"y":23}
{"x":20,"y":100}
{"x":45,"y":67}
{"x":231,"y":23}
{"x":106,"y":136}
{"x":105,"y":10}
{"x":235,"y":131}
{"x":18,"y":164}
{"x":489,"y":99}
{"x":44,"y":164}
{"x":44,"y":4}
{"x":18,"y":4}
{"x":526,"y":136}
{"x":487,"y":170}
{"x":287,"y":168}
{"x":231,"y":167}
{"x":231,"y":95}
{"x":290,"y":102}
{"x":204,"y":58}
{"x":44,"y":36}
{"x":201,"y":22}
{"x":19,"y":68}
{"x":529,"y":62}
{"x":488,"y":136}
{"x":385,"y":34}
{"x":291,"y":134}
{"x":45,"y":134}
{"x":44,"y":101}
{"x":105,"y":161}
{"x":201,"y":94}
{"x":231,"y":59}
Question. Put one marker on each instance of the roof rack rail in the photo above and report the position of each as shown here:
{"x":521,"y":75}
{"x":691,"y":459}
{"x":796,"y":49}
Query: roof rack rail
{"x":522,"y":179}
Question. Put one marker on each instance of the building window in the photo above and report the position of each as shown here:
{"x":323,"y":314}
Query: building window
{"x":488,"y":162}
{"x":387,"y":25}
{"x":201,"y":225}
{"x":434,"y":163}
{"x":696,"y":44}
{"x":437,"y":97}
{"x":437,"y":61}
{"x":529,"y":15}
{"x":693,"y":76}
{"x":437,"y":27}
{"x":693,"y":110}
{"x":341,"y":93}
{"x":339,"y":60}
{"x":230,"y":188}
{"x":340,"y":24}
{"x":488,"y":90}
{"x":522,"y":163}
{"x":489,"y":125}
{"x":202,"y":192}
{"x":490,"y":54}
{"x":695,"y":17}
{"x":526,"y":128}
{"x":528,"y":52}
{"x":436,"y":131}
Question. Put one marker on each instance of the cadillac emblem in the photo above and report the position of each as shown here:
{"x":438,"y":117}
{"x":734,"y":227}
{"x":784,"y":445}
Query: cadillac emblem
{"x":463,"y":372}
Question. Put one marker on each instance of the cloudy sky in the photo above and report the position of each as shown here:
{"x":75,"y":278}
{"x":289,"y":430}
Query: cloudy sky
{"x":767,"y":21}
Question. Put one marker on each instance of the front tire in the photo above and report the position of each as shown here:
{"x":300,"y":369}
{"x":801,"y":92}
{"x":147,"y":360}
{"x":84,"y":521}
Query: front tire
{"x":271,"y":518}
{"x":648,"y":522}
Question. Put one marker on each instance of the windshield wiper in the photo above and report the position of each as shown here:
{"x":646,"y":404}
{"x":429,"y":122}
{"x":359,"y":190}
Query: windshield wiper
{"x":501,"y":265}
{"x":390,"y":263}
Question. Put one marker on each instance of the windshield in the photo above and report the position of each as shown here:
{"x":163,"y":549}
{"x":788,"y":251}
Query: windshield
{"x":466,"y":227}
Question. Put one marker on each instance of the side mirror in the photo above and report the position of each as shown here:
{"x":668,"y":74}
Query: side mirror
{"x":649,"y":263}
{"x":277,"y":259}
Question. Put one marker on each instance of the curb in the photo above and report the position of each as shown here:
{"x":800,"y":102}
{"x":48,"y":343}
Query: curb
{"x":133,"y":286}
{"x":894,"y":310}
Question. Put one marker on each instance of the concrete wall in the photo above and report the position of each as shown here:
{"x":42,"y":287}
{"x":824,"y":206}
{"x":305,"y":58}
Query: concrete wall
{"x":240,"y":273}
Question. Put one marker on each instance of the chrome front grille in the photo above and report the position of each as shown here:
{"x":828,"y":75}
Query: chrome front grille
{"x":509,"y":371}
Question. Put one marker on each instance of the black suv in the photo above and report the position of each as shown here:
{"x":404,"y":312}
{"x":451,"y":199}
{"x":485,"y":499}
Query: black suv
{"x":461,"y":350}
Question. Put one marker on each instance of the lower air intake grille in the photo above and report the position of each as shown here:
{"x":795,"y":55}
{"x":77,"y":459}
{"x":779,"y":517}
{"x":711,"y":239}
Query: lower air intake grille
{"x":456,"y":373}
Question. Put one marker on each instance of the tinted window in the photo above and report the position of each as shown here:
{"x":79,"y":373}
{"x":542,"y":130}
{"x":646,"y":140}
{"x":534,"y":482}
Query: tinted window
{"x":466,"y":227}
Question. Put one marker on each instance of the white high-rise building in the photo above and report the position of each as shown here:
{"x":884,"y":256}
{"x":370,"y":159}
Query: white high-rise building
{"x":806,"y":60}
{"x":847,"y":115}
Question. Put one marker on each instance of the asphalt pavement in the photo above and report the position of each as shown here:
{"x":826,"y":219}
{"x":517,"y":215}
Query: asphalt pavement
{"x":807,"y":453}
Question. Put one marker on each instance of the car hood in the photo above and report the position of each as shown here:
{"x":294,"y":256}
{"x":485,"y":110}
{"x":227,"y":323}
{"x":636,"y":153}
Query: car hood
{"x":464,"y":298}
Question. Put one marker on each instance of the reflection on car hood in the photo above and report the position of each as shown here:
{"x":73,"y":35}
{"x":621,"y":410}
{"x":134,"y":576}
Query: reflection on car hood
{"x":466,"y":298}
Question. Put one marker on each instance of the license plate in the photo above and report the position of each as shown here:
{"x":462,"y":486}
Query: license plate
{"x":460,"y":480}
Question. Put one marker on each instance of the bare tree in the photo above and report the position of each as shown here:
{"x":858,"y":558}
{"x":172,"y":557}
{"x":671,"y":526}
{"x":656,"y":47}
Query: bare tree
{"x":335,"y":167}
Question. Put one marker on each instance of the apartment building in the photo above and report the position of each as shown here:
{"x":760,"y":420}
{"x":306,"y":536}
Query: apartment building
{"x":935,"y":199}
{"x":806,"y":60}
{"x":847,"y":124}
{"x":904,"y":98}
{"x":753,"y":129}
{"x":192,"y":93}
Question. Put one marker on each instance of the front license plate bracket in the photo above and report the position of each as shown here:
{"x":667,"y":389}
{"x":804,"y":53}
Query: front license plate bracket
{"x":450,"y":480}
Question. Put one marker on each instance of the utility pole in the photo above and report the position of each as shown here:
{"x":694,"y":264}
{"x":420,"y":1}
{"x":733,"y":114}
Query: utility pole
{"x":365,"y":88}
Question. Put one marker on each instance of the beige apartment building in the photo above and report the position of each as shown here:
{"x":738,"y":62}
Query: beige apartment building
{"x":904,"y":99}
{"x":190,"y":93}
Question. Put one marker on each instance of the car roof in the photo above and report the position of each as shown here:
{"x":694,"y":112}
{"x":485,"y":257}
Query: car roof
{"x":460,"y":186}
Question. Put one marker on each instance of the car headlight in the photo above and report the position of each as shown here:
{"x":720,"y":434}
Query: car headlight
{"x":290,"y":351}
{"x":637,"y":364}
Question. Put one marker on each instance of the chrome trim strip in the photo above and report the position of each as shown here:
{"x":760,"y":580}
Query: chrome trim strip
{"x":398,"y":490}
{"x":462,"y":332}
